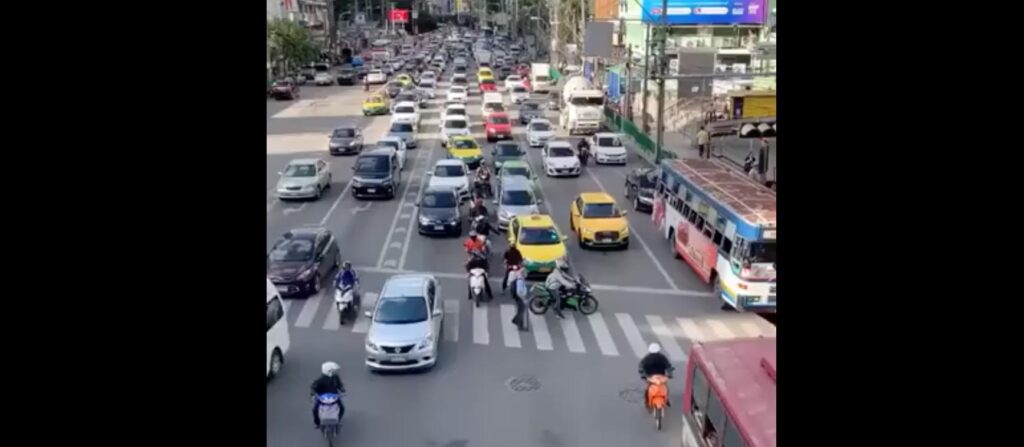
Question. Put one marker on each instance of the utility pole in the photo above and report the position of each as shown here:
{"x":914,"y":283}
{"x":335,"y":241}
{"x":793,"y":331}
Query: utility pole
{"x":663,"y":71}
{"x":629,"y":82}
{"x":647,"y":74}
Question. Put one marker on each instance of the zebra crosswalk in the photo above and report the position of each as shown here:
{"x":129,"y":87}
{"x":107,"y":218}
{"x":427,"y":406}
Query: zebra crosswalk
{"x":612,"y":335}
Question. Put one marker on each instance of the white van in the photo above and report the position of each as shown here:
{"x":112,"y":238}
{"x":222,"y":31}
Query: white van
{"x":278,"y":338}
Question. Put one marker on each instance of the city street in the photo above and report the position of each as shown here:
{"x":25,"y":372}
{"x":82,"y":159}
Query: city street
{"x":566,"y":383}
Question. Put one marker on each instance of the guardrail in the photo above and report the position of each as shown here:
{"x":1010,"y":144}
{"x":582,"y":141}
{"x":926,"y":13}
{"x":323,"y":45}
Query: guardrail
{"x":642,"y":142}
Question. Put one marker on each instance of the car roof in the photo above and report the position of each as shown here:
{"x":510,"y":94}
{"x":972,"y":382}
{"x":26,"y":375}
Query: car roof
{"x":556,"y":143}
{"x":304,"y":161}
{"x":515,"y":182}
{"x":404,"y":285}
{"x":405,"y":103}
{"x":450,"y":162}
{"x":464,"y":137}
{"x":390,"y":138}
{"x":515,"y":163}
{"x":438,"y":189}
{"x":379,"y":152}
{"x":540,"y":120}
{"x":536,"y":221}
{"x":606,"y":135}
{"x":596,"y":197}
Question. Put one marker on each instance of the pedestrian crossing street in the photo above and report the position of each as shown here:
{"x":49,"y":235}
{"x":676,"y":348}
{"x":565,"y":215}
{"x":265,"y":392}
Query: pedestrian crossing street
{"x":613,"y":335}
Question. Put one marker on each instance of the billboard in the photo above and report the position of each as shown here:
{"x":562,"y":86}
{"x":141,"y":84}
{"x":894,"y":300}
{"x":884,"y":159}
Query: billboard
{"x":606,"y":10}
{"x":399,"y":15}
{"x":706,"y":12}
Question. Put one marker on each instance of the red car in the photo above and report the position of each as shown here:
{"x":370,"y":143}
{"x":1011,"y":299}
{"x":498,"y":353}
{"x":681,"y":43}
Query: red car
{"x":488,"y":85}
{"x":497,"y":126}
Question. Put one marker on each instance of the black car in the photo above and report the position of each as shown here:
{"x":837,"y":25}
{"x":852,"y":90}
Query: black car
{"x":640,"y":186}
{"x":528,"y":111}
{"x":345,"y":141}
{"x":376,"y":174}
{"x":553,"y":101}
{"x":301,"y":260}
{"x":437,"y":212}
{"x":347,"y":76}
{"x":393,"y":88}
{"x":504,"y":72}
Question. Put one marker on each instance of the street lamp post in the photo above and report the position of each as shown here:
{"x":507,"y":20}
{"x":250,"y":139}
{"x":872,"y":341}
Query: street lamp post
{"x":663,"y":71}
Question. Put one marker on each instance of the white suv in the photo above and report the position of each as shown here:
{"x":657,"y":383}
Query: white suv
{"x":451,"y":173}
{"x":454,"y":125}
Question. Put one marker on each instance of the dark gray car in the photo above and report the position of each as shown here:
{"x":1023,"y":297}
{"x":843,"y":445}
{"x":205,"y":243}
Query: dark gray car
{"x":393,"y":88}
{"x":437,"y":211}
{"x":346,"y":141}
{"x":528,"y":111}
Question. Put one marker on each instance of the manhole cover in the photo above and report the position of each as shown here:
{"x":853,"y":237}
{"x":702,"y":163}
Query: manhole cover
{"x":523,"y":384}
{"x":632,"y":395}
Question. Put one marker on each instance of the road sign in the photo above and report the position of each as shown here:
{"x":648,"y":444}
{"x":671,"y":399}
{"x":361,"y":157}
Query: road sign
{"x":360,"y":19}
{"x":399,"y":15}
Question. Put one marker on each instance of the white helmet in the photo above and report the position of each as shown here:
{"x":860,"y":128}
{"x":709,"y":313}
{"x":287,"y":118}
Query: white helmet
{"x":653,"y":348}
{"x":329,"y":368}
{"x":562,"y":265}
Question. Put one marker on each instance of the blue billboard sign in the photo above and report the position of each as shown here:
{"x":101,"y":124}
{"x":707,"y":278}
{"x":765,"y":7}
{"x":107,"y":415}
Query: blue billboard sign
{"x":705,"y":12}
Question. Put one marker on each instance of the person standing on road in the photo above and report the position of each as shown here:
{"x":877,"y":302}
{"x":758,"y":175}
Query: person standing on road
{"x":513,"y":258}
{"x":519,"y":292}
{"x":748,"y":162}
{"x":703,"y":138}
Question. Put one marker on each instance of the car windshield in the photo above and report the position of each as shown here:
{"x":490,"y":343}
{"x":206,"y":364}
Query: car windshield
{"x":560,"y":151}
{"x":516,"y":170}
{"x":495,"y":107}
{"x":539,"y":236}
{"x":513,"y":79}
{"x":401,"y":310}
{"x":508,"y":150}
{"x":465,"y":144}
{"x":599,"y":210}
{"x":344,"y":133}
{"x":405,"y":109}
{"x":292,"y":250}
{"x":439,"y":200}
{"x":457,"y":90}
{"x":455,"y":124}
{"x":401,"y":127}
{"x":389,"y":143}
{"x":645,"y":181}
{"x":488,"y":82}
{"x":375,"y":99}
{"x":406,"y":97}
{"x":595,"y":101}
{"x":529,"y":106}
{"x":395,"y":84}
{"x":372,"y":164}
{"x":449,"y":171}
{"x":516,"y":198}
{"x":300,"y":170}
{"x":543,"y":127}
{"x":426,"y":84}
{"x":518,"y":89}
{"x":460,"y":81}
{"x":762,"y":252}
{"x":499,"y":120}
{"x":609,"y":142}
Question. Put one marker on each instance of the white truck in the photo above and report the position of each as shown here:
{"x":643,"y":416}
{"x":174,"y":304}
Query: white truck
{"x":582,"y":106}
{"x":540,"y":77}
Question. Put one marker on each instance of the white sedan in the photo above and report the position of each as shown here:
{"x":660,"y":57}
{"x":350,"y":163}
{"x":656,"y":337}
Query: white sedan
{"x":560,"y":160}
{"x":454,"y":110}
{"x":376,"y":77}
{"x":608,"y":148}
{"x":519,"y":94}
{"x":538,"y":132}
{"x":451,"y":173}
{"x":457,"y":93}
{"x":453,"y":125}
{"x":406,"y":112}
{"x":323,"y":78}
{"x":513,"y":80}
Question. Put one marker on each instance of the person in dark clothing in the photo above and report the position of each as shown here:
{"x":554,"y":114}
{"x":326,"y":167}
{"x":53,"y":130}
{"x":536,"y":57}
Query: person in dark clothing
{"x":654,"y":362}
{"x":478,"y":208}
{"x":519,"y":292}
{"x":328,"y":383}
{"x":513,"y":258}
{"x":482,"y":226}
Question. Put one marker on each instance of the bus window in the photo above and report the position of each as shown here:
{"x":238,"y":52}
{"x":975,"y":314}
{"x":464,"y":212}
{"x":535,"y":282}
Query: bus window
{"x":726,"y":245}
{"x":686,"y":211}
{"x":692,"y":217}
{"x":731,"y":436}
{"x":699,"y":225}
{"x":675,"y":188}
{"x":717,"y":239}
{"x":689,"y":197}
{"x":715,"y":419}
{"x":699,"y":398}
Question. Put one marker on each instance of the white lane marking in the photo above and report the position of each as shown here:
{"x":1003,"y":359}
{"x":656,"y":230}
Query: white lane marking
{"x":604,"y":287}
{"x":290,"y":210}
{"x":331,"y":323}
{"x":394,"y":221}
{"x":636,"y":341}
{"x":362,"y":323}
{"x":691,"y":330}
{"x":541,"y":336}
{"x":750,"y":329}
{"x":720,"y":329}
{"x":480,"y":334}
{"x":634,"y":234}
{"x":391,"y":262}
{"x":572,"y":334}
{"x":344,"y":192}
{"x":666,"y":338}
{"x":399,"y":230}
{"x":451,"y":320}
{"x":308,"y":311}
{"x":406,"y":216}
{"x":396,"y":244}
{"x":423,"y":185}
{"x":603,"y":335}
{"x":287,"y":305}
{"x":270,"y":206}
{"x":360,"y":209}
{"x":509,"y":330}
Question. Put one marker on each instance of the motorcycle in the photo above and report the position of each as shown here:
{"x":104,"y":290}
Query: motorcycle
{"x":580,"y":298}
{"x":482,"y":187}
{"x":477,"y":286}
{"x":344,"y":298}
{"x":656,"y":395}
{"x":330,"y":416}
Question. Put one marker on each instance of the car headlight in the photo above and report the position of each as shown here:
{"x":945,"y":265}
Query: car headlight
{"x":306,"y":274}
{"x":371,"y":346}
{"x":505,"y":214}
{"x":624,"y":231}
{"x":426,"y":342}
{"x":587,"y":231}
{"x":424,"y":220}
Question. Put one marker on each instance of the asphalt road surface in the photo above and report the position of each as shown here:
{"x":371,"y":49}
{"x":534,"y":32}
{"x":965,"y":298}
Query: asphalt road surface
{"x":565,"y":383}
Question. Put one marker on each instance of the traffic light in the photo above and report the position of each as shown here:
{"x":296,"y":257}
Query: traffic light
{"x":757,"y":129}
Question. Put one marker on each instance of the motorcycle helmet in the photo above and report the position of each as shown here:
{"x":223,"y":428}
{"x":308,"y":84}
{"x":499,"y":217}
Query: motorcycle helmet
{"x":346,"y":265}
{"x":562,"y":265}
{"x":329,"y":368}
{"x":472,"y":234}
{"x":653,"y":348}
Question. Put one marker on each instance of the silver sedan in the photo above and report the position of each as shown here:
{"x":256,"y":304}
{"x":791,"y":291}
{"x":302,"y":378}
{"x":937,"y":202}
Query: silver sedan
{"x":405,"y":324}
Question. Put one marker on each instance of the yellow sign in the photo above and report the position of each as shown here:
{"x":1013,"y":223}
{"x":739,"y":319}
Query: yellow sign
{"x":758,"y":106}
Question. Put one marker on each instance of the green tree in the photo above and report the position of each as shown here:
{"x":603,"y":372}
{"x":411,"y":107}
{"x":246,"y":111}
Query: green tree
{"x":290,"y":44}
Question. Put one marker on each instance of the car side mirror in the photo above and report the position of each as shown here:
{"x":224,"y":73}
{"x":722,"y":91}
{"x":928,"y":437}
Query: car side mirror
{"x":368,"y":314}
{"x":565,"y":238}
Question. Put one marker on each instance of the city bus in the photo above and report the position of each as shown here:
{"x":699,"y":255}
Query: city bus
{"x":722,"y":224}
{"x":729,"y":395}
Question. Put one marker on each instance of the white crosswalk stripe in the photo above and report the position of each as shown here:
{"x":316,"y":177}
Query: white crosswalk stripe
{"x":721,"y":331}
{"x":750,"y":329}
{"x":332,"y":323}
{"x":362,"y":324}
{"x":572,"y":334}
{"x":480,"y":334}
{"x":308,"y":311}
{"x":509,"y":330}
{"x":691,"y":330}
{"x":667,"y":339}
{"x":636,"y":341}
{"x":539,"y":329}
{"x":603,"y":336}
{"x":451,"y":320}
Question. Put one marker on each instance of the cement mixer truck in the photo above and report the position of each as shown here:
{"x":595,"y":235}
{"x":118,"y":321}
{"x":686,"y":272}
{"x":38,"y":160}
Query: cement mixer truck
{"x":582,"y":106}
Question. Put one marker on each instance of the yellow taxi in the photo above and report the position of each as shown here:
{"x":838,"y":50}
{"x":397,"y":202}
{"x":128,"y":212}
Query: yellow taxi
{"x":405,"y":79}
{"x":484,"y":73}
{"x":598,"y":221}
{"x":376,"y":104}
{"x":465,"y":148}
{"x":538,"y":240}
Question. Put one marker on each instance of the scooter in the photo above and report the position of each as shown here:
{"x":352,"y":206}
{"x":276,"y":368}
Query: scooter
{"x":656,"y":395}
{"x":330,"y":416}
{"x":477,"y":286}
{"x":482,"y":188}
{"x":348,"y":305}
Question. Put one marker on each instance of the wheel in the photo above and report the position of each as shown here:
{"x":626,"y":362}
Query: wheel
{"x":658,"y":414}
{"x":329,"y":179}
{"x":341,"y":318}
{"x":276,"y":361}
{"x":316,"y":285}
{"x":580,"y":241}
{"x":538,"y":305}
{"x":588,"y":305}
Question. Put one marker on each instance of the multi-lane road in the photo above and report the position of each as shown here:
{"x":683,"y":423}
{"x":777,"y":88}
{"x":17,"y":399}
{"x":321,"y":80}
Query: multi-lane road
{"x":565,"y":383}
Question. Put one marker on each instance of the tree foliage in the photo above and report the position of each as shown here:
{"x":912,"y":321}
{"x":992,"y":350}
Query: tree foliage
{"x":291,"y":43}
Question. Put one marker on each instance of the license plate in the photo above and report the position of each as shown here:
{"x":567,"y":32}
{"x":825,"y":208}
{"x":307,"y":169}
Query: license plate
{"x":606,"y":240}
{"x":399,"y":358}
{"x":371,"y":190}
{"x":438,"y":227}
{"x":282,"y":288}
{"x":544,"y":269}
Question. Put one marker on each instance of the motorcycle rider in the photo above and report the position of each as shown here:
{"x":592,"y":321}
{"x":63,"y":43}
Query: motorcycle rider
{"x":482,"y":226}
{"x":328,"y":383}
{"x":654,"y":363}
{"x":348,"y":277}
{"x":583,"y":148}
{"x":476,"y":248}
{"x":482,"y":181}
{"x":478,"y":208}
{"x":558,"y":282}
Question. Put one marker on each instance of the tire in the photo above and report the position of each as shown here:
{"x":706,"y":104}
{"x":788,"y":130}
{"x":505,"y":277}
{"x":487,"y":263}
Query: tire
{"x":341,"y":318}
{"x":319,"y":193}
{"x":580,"y":242}
{"x":538,"y":305}
{"x":276,"y":361}
{"x":316,"y":285}
{"x":587,"y":305}
{"x":659,"y":413}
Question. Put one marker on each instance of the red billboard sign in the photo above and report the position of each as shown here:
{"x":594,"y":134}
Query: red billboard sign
{"x":400,"y":15}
